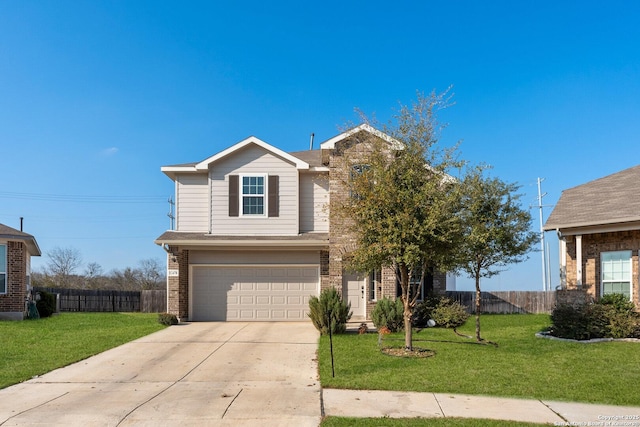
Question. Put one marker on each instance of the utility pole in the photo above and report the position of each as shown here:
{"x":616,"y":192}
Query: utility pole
{"x":542,"y":245}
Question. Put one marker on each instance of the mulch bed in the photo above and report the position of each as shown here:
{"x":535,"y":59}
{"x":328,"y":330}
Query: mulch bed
{"x":417,"y":352}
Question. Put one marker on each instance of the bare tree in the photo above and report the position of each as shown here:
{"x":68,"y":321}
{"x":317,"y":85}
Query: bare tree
{"x":151,"y":274}
{"x":63,"y":262}
{"x":93,"y":276}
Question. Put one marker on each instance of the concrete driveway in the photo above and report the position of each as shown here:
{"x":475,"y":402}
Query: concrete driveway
{"x":190,"y":374}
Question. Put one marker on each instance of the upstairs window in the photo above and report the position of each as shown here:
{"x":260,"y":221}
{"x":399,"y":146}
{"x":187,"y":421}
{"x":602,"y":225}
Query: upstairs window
{"x":253,"y":200}
{"x":3,"y":269}
{"x":254,"y":195}
{"x":616,"y":273}
{"x":356,"y":172}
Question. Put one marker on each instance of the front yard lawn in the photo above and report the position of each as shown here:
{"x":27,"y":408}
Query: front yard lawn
{"x":520,"y":366}
{"x":34,"y":347}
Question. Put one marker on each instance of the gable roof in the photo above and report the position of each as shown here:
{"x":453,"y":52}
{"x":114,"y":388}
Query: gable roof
{"x":9,"y":233}
{"x":330,"y":144}
{"x":203,"y":166}
{"x":605,"y":201}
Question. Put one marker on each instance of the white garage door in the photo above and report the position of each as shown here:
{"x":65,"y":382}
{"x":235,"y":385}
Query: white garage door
{"x":252,"y":293}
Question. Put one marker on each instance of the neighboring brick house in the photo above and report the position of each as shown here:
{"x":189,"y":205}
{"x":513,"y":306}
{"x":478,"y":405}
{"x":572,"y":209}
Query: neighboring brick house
{"x":598,"y":225}
{"x":254,"y":238}
{"x":16,"y":250}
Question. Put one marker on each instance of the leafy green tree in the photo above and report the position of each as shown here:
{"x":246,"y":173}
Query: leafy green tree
{"x":402,"y":206}
{"x":496,"y":229}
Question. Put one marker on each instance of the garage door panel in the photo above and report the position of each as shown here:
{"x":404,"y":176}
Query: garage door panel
{"x":252,"y":293}
{"x":294,"y":286}
{"x":295,"y":300}
{"x":247,"y":286}
{"x":277,"y":300}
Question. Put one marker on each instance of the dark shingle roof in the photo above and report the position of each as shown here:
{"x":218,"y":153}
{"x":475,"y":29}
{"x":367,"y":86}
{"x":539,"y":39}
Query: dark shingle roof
{"x":609,"y":200}
{"x":313,"y":157}
{"x":9,"y":233}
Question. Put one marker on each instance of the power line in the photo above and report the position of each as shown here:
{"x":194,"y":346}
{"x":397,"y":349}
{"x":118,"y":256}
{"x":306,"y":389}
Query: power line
{"x":80,"y":198}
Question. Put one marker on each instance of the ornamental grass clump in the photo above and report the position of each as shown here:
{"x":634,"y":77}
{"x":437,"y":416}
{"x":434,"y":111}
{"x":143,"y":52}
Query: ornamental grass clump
{"x":329,"y":310}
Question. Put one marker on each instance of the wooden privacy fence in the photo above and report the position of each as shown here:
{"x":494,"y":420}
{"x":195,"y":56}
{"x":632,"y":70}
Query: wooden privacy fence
{"x":507,"y":301}
{"x":89,"y":300}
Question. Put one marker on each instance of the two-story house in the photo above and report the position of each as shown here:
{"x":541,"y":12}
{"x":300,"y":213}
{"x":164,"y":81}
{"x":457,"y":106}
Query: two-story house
{"x":254,"y":238}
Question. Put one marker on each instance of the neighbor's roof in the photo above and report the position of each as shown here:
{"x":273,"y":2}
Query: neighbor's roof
{"x":9,"y":233}
{"x":605,"y":201}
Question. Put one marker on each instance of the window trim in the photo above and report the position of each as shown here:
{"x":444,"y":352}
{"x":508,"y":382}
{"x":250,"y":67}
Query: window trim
{"x":628,"y":279}
{"x":4,"y":273}
{"x":374,"y":279}
{"x":264,"y":195}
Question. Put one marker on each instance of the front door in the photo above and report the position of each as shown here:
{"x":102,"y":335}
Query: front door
{"x":353,"y":291}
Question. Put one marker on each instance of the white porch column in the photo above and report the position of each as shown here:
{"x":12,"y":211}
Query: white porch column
{"x":563,"y":262}
{"x":579,"y":261}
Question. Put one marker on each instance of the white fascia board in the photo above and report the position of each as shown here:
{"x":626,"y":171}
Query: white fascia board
{"x":330,"y":144}
{"x":172,"y":171}
{"x":204,"y":165}
{"x":625,"y":224}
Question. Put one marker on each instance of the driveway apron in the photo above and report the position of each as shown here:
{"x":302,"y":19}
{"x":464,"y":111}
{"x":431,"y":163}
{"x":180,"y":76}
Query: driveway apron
{"x":226,"y":374}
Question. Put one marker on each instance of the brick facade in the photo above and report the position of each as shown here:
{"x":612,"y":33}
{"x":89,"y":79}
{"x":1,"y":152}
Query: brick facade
{"x":593,"y":245}
{"x":178,"y":286}
{"x":12,"y":304}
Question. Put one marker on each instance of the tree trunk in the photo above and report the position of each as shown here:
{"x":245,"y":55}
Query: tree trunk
{"x":478,"y":301}
{"x":406,"y":304}
{"x":408,"y":331}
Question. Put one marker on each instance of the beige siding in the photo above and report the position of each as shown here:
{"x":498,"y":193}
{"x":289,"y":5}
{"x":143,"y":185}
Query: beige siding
{"x":254,"y":257}
{"x":254,"y":160}
{"x":314,"y":198}
{"x":192,"y":209}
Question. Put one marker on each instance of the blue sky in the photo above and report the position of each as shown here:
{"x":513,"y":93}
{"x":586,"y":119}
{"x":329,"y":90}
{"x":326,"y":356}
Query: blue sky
{"x":96,"y":96}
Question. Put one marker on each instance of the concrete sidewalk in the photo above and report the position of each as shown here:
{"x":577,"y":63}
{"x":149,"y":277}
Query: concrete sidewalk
{"x":394,"y":404}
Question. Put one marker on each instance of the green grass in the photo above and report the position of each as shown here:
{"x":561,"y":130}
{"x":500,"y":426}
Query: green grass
{"x":419,"y":422}
{"x":34,"y":347}
{"x":520,"y":366}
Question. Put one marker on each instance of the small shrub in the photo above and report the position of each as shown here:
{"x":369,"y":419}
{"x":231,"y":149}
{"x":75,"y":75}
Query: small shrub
{"x":618,"y":302}
{"x":46,"y":305}
{"x":621,"y":325}
{"x":582,"y":321}
{"x":449,"y":314}
{"x":329,"y":308}
{"x":424,"y":310}
{"x":389,"y":314}
{"x":167,"y":319}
